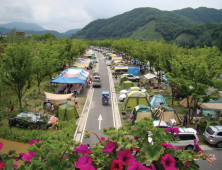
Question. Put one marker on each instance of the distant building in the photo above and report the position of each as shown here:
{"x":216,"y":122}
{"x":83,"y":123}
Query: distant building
{"x":3,"y":35}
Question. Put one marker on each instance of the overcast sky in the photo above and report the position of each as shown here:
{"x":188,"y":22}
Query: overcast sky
{"x":63,"y":15}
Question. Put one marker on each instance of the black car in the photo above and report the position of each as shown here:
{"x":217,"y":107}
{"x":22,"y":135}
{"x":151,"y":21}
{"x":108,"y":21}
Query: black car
{"x":31,"y":120}
{"x":179,"y":96}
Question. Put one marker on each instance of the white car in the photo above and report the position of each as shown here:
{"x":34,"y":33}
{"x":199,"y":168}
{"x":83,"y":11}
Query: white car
{"x":124,"y":92}
{"x":186,"y":138}
{"x":132,"y":77}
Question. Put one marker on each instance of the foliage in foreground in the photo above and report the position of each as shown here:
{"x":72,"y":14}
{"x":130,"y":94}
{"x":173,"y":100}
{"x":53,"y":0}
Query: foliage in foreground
{"x":125,"y":148}
{"x":67,"y":129}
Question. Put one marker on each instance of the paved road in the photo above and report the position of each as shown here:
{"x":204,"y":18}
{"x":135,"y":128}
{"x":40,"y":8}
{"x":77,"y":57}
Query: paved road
{"x":96,"y":107}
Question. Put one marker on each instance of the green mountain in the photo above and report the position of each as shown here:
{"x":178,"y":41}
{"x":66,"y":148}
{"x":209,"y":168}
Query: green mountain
{"x":22,"y":26}
{"x":149,"y":23}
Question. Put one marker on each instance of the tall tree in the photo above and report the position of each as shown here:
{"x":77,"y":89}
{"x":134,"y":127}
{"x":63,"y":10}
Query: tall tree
{"x":16,"y":68}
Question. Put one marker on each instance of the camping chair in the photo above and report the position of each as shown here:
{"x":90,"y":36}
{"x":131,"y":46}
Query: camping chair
{"x":66,"y":90}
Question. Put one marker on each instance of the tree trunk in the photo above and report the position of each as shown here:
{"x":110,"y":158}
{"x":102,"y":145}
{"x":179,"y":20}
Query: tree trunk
{"x":172,"y":91}
{"x":20,"y":101}
{"x":39,"y":86}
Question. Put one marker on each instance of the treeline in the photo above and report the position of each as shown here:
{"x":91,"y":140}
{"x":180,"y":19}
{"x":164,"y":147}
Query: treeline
{"x":33,"y":58}
{"x":198,"y":68}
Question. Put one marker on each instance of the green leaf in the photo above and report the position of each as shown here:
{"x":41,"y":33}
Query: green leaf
{"x":10,"y":165}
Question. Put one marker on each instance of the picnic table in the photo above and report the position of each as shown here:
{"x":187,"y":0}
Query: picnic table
{"x":60,"y":88}
{"x":76,"y":88}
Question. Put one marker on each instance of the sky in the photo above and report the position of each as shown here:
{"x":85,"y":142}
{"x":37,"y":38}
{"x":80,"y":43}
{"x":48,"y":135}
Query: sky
{"x":64,"y":15}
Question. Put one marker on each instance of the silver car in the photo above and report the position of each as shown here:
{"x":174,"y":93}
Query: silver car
{"x":213,"y":135}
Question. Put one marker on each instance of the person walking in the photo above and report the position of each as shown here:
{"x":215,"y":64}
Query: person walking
{"x":185,"y":120}
{"x":76,"y":101}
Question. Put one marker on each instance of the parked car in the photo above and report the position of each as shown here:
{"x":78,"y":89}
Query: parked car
{"x":185,"y":138}
{"x":96,"y":81}
{"x":164,"y":124}
{"x":32,"y":120}
{"x":213,"y":135}
{"x":132,"y":77}
{"x":124,"y":92}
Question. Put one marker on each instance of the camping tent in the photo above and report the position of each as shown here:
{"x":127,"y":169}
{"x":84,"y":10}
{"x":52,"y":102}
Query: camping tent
{"x":121,"y":67}
{"x":133,"y":99}
{"x":141,"y":111}
{"x":122,"y":79}
{"x":206,"y":121}
{"x":133,"y":70}
{"x":127,"y":84}
{"x":211,"y":105}
{"x":170,"y":114}
{"x":149,"y":76}
{"x":210,"y":112}
{"x":158,"y":100}
{"x":184,"y":102}
{"x":66,"y":112}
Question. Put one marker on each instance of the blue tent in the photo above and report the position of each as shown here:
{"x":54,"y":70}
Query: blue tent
{"x":67,"y":80}
{"x":133,"y":70}
{"x":158,"y":100}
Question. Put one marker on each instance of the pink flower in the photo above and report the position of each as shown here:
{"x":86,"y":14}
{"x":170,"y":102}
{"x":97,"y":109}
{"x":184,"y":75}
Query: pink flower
{"x":168,"y":162}
{"x":33,"y":141}
{"x":82,"y":149}
{"x":153,"y":167}
{"x":136,"y":149}
{"x":88,"y":167}
{"x":135,"y":137}
{"x":110,"y":146}
{"x":1,"y":164}
{"x":196,"y":146}
{"x":178,"y":148}
{"x":126,"y":157}
{"x":15,"y":166}
{"x":1,"y":145}
{"x":83,"y":160}
{"x":212,"y":159}
{"x":29,"y":156}
{"x":20,"y":157}
{"x":102,"y":138}
{"x":116,"y":165}
{"x":53,"y":119}
{"x":186,"y":164}
{"x":166,"y":145}
{"x":137,"y":166}
{"x":172,"y":130}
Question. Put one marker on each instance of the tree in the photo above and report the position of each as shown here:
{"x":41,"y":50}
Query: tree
{"x":16,"y":68}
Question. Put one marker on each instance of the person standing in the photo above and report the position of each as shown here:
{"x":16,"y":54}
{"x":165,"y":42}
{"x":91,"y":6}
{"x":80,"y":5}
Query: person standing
{"x":76,"y":101}
{"x":52,"y":108}
{"x":185,"y":120}
{"x":11,"y":106}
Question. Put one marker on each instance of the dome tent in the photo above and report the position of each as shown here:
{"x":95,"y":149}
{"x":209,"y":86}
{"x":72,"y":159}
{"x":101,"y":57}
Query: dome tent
{"x":127,"y":84}
{"x":141,"y":111}
{"x":133,"y":99}
{"x":122,"y":79}
{"x":133,"y":70}
{"x":158,"y":100}
{"x":66,"y":112}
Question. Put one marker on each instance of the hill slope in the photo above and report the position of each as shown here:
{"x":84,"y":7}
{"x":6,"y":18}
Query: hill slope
{"x":133,"y":23}
{"x":23,"y":26}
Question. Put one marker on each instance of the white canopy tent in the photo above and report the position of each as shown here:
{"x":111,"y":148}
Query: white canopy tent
{"x":149,"y":76}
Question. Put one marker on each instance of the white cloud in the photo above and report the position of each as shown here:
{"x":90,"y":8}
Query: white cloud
{"x":71,"y":14}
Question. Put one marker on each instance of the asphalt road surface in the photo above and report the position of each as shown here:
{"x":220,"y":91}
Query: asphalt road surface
{"x":96,"y":107}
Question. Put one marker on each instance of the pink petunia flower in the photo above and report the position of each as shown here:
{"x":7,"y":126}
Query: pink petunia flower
{"x":186,"y":164}
{"x":53,"y":119}
{"x":20,"y":157}
{"x":136,"y":149}
{"x":102,"y":138}
{"x":1,"y":145}
{"x":178,"y":148}
{"x":15,"y":166}
{"x":116,"y":165}
{"x":166,"y":145}
{"x":153,"y":167}
{"x":84,"y":160}
{"x":126,"y":157}
{"x":196,"y":146}
{"x":82,"y":149}
{"x":33,"y":141}
{"x":110,"y":146}
{"x":29,"y":156}
{"x":168,"y":162}
{"x":1,"y":164}
{"x":88,"y":167}
{"x":172,"y":130}
{"x":137,"y":166}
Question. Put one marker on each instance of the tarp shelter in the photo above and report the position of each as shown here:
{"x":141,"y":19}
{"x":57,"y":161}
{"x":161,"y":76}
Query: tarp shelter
{"x":67,"y":80}
{"x":210,"y":112}
{"x":133,"y":99}
{"x":51,"y":96}
{"x":149,"y":76}
{"x":211,"y":105}
{"x":122,"y":79}
{"x":66,"y":112}
{"x":191,"y":102}
{"x":127,"y":84}
{"x":140,"y":112}
{"x":158,"y":100}
{"x":206,"y":121}
{"x":133,"y":70}
{"x":81,"y":64}
{"x":170,"y":114}
{"x":121,"y":67}
{"x":116,"y":58}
